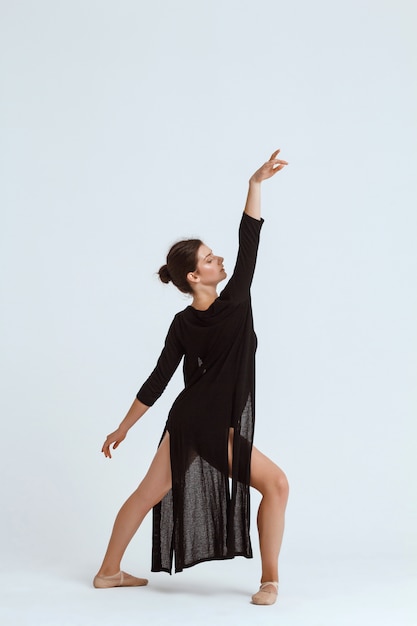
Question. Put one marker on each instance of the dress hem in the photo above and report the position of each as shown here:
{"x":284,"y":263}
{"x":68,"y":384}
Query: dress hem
{"x":204,"y":560}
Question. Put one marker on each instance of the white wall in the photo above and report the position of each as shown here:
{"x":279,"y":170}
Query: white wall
{"x":126,"y":125}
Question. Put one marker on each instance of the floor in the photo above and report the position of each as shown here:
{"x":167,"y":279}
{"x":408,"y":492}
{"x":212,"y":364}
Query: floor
{"x":354,"y":592}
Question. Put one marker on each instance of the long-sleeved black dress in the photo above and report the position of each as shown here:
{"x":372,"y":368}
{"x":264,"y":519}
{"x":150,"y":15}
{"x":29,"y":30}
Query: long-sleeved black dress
{"x":204,"y":516}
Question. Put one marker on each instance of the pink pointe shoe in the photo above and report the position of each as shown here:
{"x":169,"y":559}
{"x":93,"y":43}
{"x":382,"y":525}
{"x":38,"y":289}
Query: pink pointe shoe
{"x":267,"y":594}
{"x":121,"y":579}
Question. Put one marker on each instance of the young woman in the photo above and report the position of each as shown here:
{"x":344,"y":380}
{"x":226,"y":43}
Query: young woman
{"x":198,"y":515}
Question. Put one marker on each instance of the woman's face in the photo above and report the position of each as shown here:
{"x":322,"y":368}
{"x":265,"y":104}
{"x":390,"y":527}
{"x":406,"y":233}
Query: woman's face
{"x":209,"y":268}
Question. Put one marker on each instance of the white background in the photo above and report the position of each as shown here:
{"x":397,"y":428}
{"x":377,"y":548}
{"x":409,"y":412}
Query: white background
{"x":127,"y":125}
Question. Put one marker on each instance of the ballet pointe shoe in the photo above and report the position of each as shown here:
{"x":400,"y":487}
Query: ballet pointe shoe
{"x":121,"y":579}
{"x":267,"y":594}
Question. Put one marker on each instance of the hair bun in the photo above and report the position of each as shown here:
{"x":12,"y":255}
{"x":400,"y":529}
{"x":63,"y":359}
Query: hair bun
{"x":164,"y":275}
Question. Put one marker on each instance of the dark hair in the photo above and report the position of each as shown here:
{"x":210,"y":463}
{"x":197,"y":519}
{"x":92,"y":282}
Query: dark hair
{"x":181,"y":259}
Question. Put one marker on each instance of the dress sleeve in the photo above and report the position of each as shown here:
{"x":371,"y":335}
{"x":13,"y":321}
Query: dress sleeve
{"x":166,"y":365}
{"x":238,"y":287}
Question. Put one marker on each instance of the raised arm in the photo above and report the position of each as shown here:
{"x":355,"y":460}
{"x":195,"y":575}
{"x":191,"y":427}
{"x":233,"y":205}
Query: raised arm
{"x":268,"y":169}
{"x":238,"y":287}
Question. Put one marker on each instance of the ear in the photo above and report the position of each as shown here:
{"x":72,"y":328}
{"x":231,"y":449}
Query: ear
{"x":193,"y":278}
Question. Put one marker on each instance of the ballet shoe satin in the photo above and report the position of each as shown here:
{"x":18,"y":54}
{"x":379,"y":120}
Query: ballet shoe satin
{"x":121,"y":579}
{"x":265,"y":595}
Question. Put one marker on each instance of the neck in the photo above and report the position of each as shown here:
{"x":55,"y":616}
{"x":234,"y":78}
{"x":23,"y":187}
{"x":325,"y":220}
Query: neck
{"x":203,"y":298}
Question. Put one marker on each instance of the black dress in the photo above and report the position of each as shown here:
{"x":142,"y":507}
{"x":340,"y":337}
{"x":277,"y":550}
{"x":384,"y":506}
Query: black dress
{"x":204,"y":516}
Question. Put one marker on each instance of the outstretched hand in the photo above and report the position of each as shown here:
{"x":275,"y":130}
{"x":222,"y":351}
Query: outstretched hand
{"x":269,"y":168}
{"x":114,"y":438}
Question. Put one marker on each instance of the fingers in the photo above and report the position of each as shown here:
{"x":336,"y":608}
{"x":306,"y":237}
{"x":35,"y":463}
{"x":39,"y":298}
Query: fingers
{"x":116,"y":439}
{"x":106,"y":448}
{"x":279,"y":162}
{"x":278,"y":168}
{"x":269,"y":168}
{"x":272,"y":167}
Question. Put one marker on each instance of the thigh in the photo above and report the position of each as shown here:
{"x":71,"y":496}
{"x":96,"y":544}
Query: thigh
{"x":264,"y":473}
{"x":157,"y":481}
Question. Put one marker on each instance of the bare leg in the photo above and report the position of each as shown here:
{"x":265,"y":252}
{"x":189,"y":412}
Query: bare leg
{"x":272,"y":483}
{"x":151,"y":490}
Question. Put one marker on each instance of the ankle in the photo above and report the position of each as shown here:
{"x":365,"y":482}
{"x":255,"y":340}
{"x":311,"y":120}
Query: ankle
{"x":269,"y":578}
{"x":108,"y":571}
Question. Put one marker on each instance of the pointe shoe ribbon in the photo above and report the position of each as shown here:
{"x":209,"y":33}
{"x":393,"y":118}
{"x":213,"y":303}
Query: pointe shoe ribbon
{"x":264,"y":596}
{"x":121,"y":579}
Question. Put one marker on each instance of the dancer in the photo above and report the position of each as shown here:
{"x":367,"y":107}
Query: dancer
{"x":198,"y":514}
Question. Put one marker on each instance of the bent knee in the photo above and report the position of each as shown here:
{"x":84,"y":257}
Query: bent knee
{"x":276,"y":484}
{"x":283,"y":486}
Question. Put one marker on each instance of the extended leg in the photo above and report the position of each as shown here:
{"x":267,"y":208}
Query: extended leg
{"x":151,"y":490}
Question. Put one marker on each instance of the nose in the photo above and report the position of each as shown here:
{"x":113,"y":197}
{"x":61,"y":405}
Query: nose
{"x":220,"y":260}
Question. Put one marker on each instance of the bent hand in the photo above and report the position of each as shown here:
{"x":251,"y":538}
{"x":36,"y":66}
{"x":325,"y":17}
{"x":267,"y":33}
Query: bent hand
{"x":114,"y":438}
{"x":269,"y":168}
